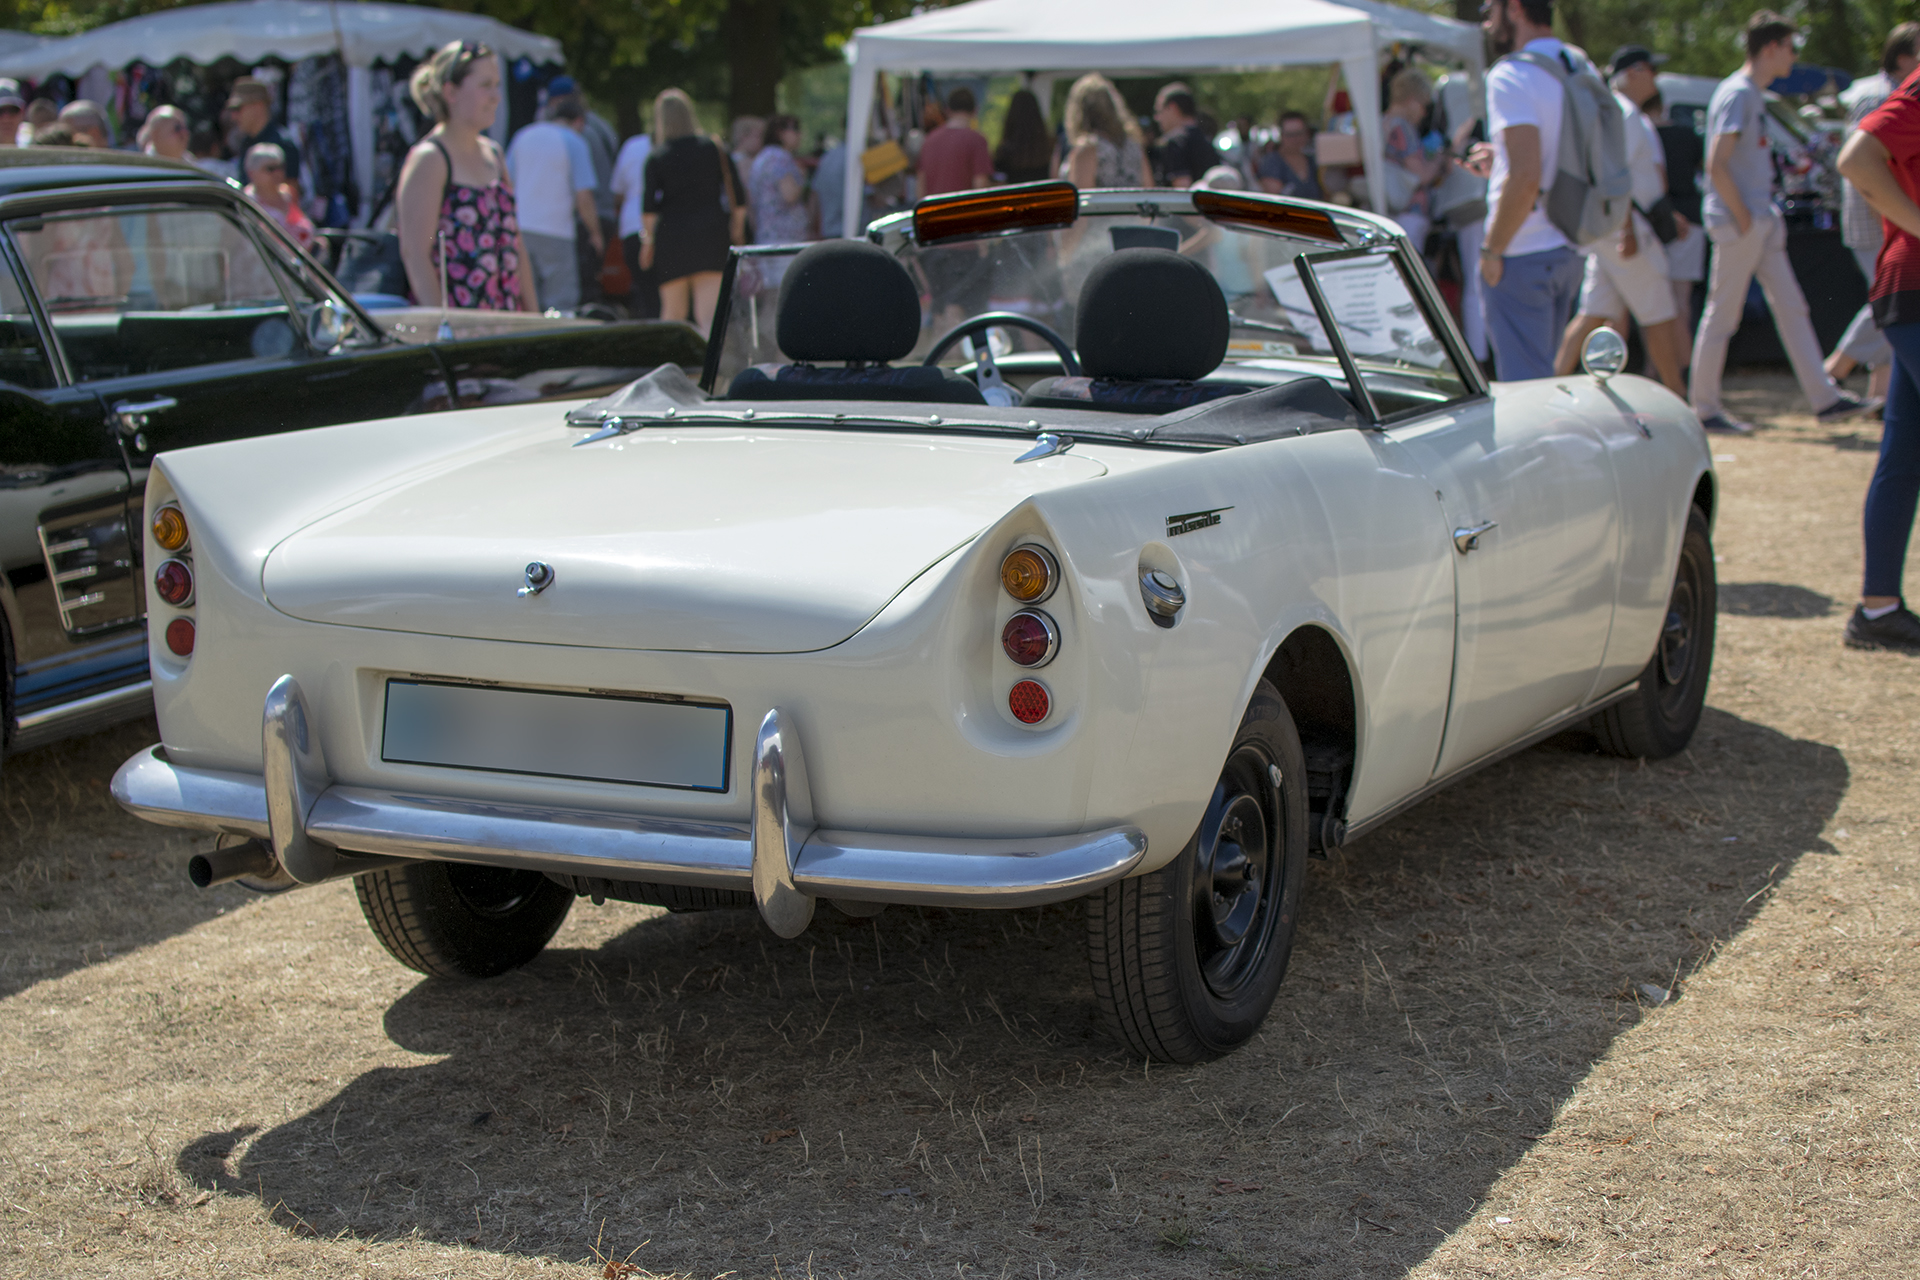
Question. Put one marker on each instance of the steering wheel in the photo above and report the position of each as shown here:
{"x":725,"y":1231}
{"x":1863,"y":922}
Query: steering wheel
{"x":986,"y":372}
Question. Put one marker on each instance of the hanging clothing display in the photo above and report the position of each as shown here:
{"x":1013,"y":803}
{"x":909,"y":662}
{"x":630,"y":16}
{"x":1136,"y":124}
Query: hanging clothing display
{"x":317,"y":106}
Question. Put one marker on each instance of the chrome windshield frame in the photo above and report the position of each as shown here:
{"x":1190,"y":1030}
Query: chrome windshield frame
{"x":1360,"y":232}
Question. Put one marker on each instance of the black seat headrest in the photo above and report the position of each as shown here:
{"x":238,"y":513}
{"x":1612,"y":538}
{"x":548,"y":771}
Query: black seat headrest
{"x":1149,"y":313}
{"x":847,"y":300}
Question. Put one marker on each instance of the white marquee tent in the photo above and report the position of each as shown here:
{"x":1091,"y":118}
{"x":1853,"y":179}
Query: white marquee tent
{"x":249,"y":30}
{"x":16,"y":41}
{"x":1122,"y":37}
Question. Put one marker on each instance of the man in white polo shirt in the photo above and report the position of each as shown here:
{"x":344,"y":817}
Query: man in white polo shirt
{"x":1749,"y":235}
{"x":1628,"y":272}
{"x":553,"y":186}
{"x":1532,"y":274}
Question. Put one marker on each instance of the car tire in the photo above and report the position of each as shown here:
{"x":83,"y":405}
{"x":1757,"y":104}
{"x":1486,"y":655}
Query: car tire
{"x":458,"y":920}
{"x":1658,"y":719}
{"x":1188,"y":959}
{"x":6,"y":689}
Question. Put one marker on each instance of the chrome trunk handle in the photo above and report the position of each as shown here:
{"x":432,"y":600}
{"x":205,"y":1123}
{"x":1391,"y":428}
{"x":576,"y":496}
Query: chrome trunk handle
{"x":1467,"y":538}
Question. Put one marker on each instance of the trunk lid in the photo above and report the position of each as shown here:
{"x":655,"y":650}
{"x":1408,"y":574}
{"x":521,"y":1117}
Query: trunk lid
{"x":723,"y":540}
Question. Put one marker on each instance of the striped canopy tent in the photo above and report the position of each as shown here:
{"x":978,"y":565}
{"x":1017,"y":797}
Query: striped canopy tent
{"x":249,"y":30}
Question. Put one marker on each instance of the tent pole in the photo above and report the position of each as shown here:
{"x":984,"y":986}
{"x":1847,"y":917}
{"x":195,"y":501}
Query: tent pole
{"x":1363,"y":89}
{"x":859,"y":112}
{"x":360,"y":138}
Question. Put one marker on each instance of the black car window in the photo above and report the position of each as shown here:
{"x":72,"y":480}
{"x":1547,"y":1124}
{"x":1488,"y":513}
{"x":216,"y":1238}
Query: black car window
{"x":147,"y":290}
{"x":23,"y":361}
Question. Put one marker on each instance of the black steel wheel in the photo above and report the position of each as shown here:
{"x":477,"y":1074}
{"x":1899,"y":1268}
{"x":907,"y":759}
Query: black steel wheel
{"x":1188,"y":959}
{"x":458,"y":920}
{"x":1659,"y":718}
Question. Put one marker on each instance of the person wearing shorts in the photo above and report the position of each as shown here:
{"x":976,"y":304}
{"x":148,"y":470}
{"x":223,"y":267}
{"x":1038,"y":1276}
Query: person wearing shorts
{"x":1628,"y":272}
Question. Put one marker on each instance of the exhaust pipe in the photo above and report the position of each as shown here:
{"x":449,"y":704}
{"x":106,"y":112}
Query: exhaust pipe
{"x":222,"y":866}
{"x":253,"y":860}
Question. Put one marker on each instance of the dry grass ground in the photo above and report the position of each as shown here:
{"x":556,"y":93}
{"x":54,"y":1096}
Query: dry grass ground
{"x":1462,"y":1075}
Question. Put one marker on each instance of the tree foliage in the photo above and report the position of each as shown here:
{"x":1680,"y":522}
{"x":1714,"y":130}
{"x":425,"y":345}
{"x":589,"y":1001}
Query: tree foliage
{"x":1703,"y":37}
{"x":623,"y":52}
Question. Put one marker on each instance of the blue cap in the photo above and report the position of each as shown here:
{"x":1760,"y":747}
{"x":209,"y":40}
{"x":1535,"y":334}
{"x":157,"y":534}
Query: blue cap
{"x":561,"y":86}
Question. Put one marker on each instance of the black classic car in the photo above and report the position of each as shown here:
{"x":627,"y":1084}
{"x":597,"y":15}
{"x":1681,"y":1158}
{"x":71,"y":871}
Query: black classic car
{"x":146,"y":305}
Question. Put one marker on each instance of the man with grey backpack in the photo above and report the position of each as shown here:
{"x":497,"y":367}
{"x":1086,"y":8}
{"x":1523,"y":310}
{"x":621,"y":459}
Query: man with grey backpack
{"x":1558,"y":177}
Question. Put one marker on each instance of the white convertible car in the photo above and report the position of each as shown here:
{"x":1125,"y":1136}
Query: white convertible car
{"x":1127,"y":545}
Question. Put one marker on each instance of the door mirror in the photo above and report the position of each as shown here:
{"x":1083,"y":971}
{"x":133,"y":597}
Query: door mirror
{"x":326,"y":327}
{"x":1604,"y":354}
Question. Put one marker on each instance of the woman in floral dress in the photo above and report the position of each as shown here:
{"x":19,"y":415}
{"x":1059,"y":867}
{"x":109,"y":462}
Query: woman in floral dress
{"x":455,"y":203}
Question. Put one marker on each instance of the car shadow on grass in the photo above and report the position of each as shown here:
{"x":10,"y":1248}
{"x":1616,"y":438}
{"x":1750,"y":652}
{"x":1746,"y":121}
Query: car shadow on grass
{"x":84,"y":880}
{"x":1773,"y":600}
{"x":933,"y":1090}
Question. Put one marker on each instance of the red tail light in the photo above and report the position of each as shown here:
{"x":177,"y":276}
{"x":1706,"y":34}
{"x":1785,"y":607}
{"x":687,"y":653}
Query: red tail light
{"x":180,"y":637}
{"x":173,"y":582}
{"x":1030,"y":638}
{"x":1029,"y":702}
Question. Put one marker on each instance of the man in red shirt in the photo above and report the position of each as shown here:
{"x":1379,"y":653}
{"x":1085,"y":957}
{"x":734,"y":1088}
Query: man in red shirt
{"x":1882,"y":160}
{"x":955,"y":157}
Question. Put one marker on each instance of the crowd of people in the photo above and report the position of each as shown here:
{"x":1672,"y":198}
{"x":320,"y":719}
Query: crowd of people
{"x":527,"y":227}
{"x":1544,"y":295}
{"x":265,"y":156}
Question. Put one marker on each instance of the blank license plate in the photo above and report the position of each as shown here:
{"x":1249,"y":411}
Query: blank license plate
{"x":646,"y":741}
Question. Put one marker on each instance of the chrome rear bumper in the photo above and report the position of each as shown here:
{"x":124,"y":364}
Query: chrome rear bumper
{"x":315,"y":827}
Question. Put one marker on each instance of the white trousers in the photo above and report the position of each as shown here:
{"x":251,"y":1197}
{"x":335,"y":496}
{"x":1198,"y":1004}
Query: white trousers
{"x":1737,"y":261}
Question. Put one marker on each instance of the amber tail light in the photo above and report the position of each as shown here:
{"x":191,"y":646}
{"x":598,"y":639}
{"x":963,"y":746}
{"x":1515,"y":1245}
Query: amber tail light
{"x":170,"y":528}
{"x":1029,"y":573}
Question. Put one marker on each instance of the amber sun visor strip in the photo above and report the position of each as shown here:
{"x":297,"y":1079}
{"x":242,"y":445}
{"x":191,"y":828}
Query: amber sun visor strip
{"x":1029,"y":206}
{"x":1235,"y":209}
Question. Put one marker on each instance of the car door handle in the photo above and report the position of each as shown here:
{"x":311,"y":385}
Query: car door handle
{"x":131,"y":415}
{"x":1467,"y":538}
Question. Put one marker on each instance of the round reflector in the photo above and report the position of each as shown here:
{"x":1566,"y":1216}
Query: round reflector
{"x":173,"y":582}
{"x":170,"y":528}
{"x":180,"y":637}
{"x":1030,"y":638}
{"x":1028,"y":573}
{"x":1029,"y":702}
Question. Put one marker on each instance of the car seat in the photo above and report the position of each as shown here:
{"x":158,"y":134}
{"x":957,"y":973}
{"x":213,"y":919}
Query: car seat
{"x":849,"y":301}
{"x":1150,"y":325}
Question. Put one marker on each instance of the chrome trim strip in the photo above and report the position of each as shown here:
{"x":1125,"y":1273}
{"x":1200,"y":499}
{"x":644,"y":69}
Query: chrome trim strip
{"x":1556,"y":725}
{"x":855,"y":865}
{"x":614,"y":845}
{"x":866,"y":867}
{"x":95,"y":710}
{"x":782,"y":821}
{"x":148,"y":786}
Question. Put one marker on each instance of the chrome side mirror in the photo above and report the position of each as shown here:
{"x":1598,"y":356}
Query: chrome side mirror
{"x":326,"y":326}
{"x":1604,"y":354}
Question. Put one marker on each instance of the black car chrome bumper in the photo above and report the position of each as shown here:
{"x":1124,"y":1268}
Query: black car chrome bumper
{"x":319,"y":830}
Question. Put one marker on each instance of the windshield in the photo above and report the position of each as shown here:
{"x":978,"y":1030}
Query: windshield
{"x":1383,"y":325}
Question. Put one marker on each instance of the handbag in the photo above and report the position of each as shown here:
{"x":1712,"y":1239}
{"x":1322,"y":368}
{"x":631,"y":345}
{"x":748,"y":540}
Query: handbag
{"x":1460,"y":199}
{"x":883,"y":160}
{"x":1661,"y":219}
{"x":1399,"y":185}
{"x":370,"y":263}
